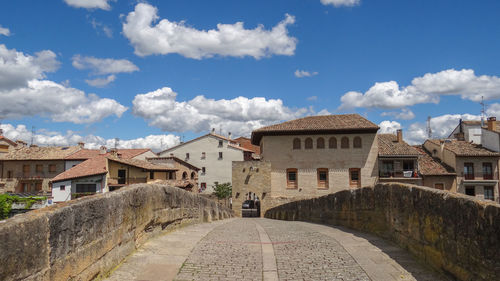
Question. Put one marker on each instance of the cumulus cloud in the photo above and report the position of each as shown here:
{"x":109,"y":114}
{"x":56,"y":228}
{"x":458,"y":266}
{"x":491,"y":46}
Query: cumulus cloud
{"x":16,"y":68}
{"x":101,"y":82}
{"x":240,"y":115}
{"x":101,"y":27}
{"x":100,"y":66}
{"x":168,"y":37}
{"x":50,"y":138}
{"x":4,"y":31}
{"x":404,"y":114}
{"x":389,"y":127}
{"x":302,"y":73}
{"x":23,"y":93}
{"x":339,"y":3}
{"x":90,"y":4}
{"x":425,"y":89}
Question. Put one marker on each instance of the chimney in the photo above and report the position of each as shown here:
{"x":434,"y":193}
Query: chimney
{"x":460,"y":136}
{"x":399,"y":134}
{"x":491,"y":123}
{"x":213,"y":131}
{"x":81,"y":145}
{"x":229,"y":135}
{"x":102,"y":150}
{"x":114,"y":152}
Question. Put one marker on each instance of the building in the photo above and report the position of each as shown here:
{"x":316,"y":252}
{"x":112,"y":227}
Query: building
{"x":307,"y":157}
{"x":247,"y":144}
{"x":6,"y":145}
{"x":185,"y":176}
{"x":435,"y":173}
{"x":476,"y":167}
{"x":397,"y":160}
{"x":213,"y":154}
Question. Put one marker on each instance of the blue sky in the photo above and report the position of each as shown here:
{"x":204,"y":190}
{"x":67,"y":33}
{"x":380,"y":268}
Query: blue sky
{"x":153,"y":72}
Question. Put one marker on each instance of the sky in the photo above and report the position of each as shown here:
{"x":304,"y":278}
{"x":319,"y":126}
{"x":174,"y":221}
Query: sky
{"x":154,"y":73}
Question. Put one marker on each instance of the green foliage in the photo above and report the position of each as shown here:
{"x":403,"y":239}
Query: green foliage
{"x":6,"y":201}
{"x":223,"y":190}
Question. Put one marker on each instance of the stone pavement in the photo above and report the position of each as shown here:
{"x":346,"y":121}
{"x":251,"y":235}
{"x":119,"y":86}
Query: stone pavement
{"x":263,"y":249}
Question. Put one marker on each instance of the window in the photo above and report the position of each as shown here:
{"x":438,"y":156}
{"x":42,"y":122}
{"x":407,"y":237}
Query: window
{"x":203,"y":170}
{"x":439,"y":186}
{"x":408,"y":165}
{"x":355,"y":177}
{"x":220,"y":143}
{"x":469,"y":171}
{"x":9,"y":174}
{"x":322,"y":178}
{"x":193,"y":175}
{"x":332,"y":142}
{"x":387,"y":169}
{"x":152,"y":175}
{"x":187,"y":156}
{"x":39,"y":168}
{"x":86,"y":188}
{"x":52,"y":168}
{"x":344,"y":142}
{"x":470,"y":190}
{"x":26,"y":171}
{"x":220,"y":155}
{"x":62,"y":187}
{"x":203,"y":186}
{"x":184,"y":176}
{"x":487,"y":171}
{"x":203,"y":155}
{"x":291,"y":178}
{"x":320,"y":143}
{"x":296,"y":143}
{"x":171,"y":175}
{"x":356,"y":142}
{"x":488,"y":193}
{"x":308,"y":144}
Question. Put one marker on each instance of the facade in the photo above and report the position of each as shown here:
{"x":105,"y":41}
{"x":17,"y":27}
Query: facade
{"x":185,"y":176}
{"x":307,"y":157}
{"x":476,"y":167}
{"x":468,"y":130}
{"x":247,"y":144}
{"x":213,"y":154}
{"x":435,"y":173}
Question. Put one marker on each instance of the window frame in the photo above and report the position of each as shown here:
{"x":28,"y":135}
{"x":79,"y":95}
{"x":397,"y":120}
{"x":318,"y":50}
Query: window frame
{"x":320,"y":143}
{"x":468,"y":175}
{"x":469,"y":187}
{"x":221,"y":156}
{"x":343,"y":144}
{"x":296,"y":144}
{"x":355,"y":183}
{"x":203,"y":155}
{"x":441,"y":183}
{"x":52,"y":168}
{"x":332,"y":143}
{"x":359,"y":144}
{"x":289,"y":183}
{"x":492,"y":198}
{"x":322,"y":184}
{"x":490,"y":175}
{"x":308,"y":143}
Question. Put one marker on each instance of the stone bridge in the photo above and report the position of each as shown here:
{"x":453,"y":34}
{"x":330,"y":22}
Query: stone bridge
{"x":386,"y":232}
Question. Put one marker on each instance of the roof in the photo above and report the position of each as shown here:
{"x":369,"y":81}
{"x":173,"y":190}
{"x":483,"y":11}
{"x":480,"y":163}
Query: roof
{"x":40,"y":153}
{"x":464,"y":148}
{"x":388,"y":145}
{"x":429,"y":166}
{"x":325,"y":124}
{"x":247,"y":144}
{"x":141,"y":164}
{"x":192,"y":167}
{"x":8,"y":140}
{"x":90,"y":167}
{"x":89,"y":153}
{"x":196,"y":139}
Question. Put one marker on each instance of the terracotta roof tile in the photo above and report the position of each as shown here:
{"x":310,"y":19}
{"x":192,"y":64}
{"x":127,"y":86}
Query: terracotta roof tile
{"x":247,"y":144}
{"x":90,"y":167}
{"x":90,"y":153}
{"x":464,"y":148}
{"x":141,"y":164}
{"x":429,"y":166}
{"x":8,"y":140}
{"x":41,"y":153}
{"x":388,"y":145}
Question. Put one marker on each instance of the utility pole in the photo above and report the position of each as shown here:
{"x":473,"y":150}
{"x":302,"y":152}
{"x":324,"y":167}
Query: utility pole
{"x":483,"y":111}
{"x":32,"y":134}
{"x":429,"y":130}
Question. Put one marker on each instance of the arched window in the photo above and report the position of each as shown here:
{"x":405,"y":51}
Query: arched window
{"x":332,"y":142}
{"x":296,"y":143}
{"x":356,"y":143}
{"x":193,"y":175}
{"x":320,"y":143}
{"x":308,"y":144}
{"x":184,"y":176}
{"x":344,"y":142}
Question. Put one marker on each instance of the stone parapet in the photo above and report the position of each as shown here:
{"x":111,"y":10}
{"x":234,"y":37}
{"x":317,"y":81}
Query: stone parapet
{"x":453,"y":233}
{"x":86,"y":238}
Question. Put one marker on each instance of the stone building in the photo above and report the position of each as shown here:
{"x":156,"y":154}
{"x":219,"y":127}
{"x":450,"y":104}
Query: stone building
{"x":185,"y":176}
{"x":307,"y":157}
{"x":435,"y":173}
{"x":213,"y":154}
{"x":476,"y":167}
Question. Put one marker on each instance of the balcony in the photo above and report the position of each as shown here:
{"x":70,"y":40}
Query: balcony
{"x":479,"y":177}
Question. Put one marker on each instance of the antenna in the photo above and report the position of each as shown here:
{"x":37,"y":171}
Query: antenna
{"x":1,"y":130}
{"x":483,"y":105}
{"x":429,"y":130}
{"x":117,"y":140}
{"x":32,"y":134}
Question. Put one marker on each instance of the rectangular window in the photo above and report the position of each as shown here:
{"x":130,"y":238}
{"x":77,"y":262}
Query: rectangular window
{"x":408,"y":165}
{"x":203,"y":170}
{"x":355,"y":177}
{"x":203,"y":186}
{"x":171,"y":175}
{"x":39,"y":168}
{"x":52,"y":168}
{"x":291,"y":178}
{"x":86,"y":188}
{"x":220,"y":143}
{"x":487,"y":171}
{"x":203,"y":155}
{"x":488,"y":193}
{"x":152,"y":175}
{"x":220,"y":155}
{"x":387,"y":169}
{"x":26,"y":171}
{"x":469,"y":171}
{"x":322,"y":178}
{"x":9,"y":174}
{"x":439,"y":186}
{"x":62,"y":187}
{"x":470,"y":190}
{"x":187,"y":156}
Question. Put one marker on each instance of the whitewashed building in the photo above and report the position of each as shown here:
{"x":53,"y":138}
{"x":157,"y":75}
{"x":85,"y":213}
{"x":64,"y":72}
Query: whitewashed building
{"x":213,"y":154}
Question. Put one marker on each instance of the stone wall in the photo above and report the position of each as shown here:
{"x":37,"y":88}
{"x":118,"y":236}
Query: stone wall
{"x":455,"y":234}
{"x":86,"y":238}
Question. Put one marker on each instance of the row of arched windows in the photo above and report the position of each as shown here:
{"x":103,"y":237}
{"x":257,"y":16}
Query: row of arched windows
{"x":332,"y":143}
{"x":185,"y":176}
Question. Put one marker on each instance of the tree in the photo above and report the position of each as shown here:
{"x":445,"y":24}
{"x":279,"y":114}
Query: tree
{"x":223,"y":190}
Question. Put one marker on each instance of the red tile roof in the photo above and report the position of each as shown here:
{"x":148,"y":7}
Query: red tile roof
{"x":90,"y":153}
{"x":40,"y":153}
{"x":464,"y":148}
{"x":326,"y":124}
{"x":429,"y":166}
{"x":141,"y":164}
{"x":247,"y":144}
{"x":90,"y":167}
{"x":8,"y":140}
{"x":388,"y":145}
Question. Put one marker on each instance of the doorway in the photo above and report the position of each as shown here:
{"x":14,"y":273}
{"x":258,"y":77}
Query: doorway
{"x":122,"y":176}
{"x":250,"y":208}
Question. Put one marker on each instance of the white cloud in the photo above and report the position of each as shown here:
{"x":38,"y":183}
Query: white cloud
{"x":104,"y":66}
{"x":302,"y":73}
{"x":90,"y":4}
{"x":240,"y":115}
{"x":426,"y":89}
{"x":4,"y":31}
{"x":99,"y":26}
{"x":404,"y":114}
{"x":101,"y":82}
{"x":168,"y":37}
{"x":493,"y":110}
{"x":48,"y":138}
{"x":16,"y":68}
{"x":312,"y":98}
{"x":324,"y":112}
{"x":339,"y":3}
{"x":389,"y":127}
